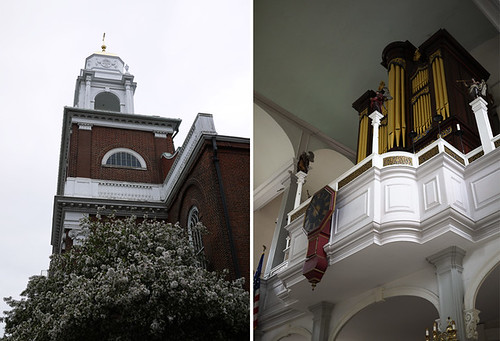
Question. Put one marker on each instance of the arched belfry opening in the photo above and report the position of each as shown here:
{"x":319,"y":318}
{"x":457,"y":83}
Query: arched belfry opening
{"x":107,"y":101}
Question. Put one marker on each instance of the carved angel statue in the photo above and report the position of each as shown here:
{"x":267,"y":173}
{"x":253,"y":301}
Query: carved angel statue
{"x":382,"y":95}
{"x":476,"y":88}
{"x":304,"y":159}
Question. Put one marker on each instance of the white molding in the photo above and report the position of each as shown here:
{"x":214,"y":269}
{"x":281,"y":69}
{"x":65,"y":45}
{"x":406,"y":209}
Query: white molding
{"x":273,"y":186}
{"x":121,"y":125}
{"x":203,"y":125}
{"x":85,"y":126}
{"x":107,"y":189}
{"x":427,"y":207}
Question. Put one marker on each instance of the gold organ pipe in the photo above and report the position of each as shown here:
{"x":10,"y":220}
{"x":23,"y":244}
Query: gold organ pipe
{"x":437,"y":84}
{"x":422,"y":113}
{"x":423,"y":118}
{"x":403,"y":109}
{"x":436,"y":87}
{"x":445,"y":92}
{"x":390,"y":115}
{"x":415,"y":117}
{"x":419,"y":115}
{"x":440,"y":87}
{"x":363,"y":136}
{"x":428,"y":110}
{"x":397,"y":113}
{"x":360,"y":140}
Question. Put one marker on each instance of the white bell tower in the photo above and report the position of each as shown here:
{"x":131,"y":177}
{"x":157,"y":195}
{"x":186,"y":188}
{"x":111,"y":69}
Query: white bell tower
{"x":105,"y":84}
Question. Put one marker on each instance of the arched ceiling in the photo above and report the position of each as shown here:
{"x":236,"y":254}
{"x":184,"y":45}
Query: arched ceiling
{"x":315,"y":59}
{"x":272,"y":145}
{"x":395,"y":318}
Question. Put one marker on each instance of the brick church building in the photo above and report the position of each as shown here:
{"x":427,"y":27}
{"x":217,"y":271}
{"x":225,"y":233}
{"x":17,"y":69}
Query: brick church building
{"x":126,"y":162}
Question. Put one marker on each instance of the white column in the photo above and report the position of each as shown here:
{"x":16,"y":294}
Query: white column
{"x":87,"y":93}
{"x":301,"y":179}
{"x":129,"y":107}
{"x":480,"y":108}
{"x":275,"y":255}
{"x":322,"y":313}
{"x":376,"y":117}
{"x":448,"y":263}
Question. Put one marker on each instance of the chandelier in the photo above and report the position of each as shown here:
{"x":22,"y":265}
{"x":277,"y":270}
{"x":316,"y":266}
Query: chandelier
{"x":450,"y":334}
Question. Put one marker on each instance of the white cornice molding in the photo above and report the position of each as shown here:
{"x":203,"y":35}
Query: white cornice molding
{"x":273,"y":186}
{"x":202,"y":126}
{"x":121,"y":125}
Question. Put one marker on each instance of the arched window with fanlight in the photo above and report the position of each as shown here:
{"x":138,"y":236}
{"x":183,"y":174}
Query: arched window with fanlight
{"x":123,"y":158}
{"x":195,"y":235}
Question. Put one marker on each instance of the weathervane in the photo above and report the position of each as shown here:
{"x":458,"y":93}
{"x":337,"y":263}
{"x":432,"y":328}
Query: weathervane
{"x":103,"y":46}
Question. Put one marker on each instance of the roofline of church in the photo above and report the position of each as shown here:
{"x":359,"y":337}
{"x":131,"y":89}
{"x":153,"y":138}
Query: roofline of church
{"x":192,"y":160}
{"x":151,"y":119}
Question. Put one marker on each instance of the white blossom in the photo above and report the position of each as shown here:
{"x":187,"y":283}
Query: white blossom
{"x":129,"y":281}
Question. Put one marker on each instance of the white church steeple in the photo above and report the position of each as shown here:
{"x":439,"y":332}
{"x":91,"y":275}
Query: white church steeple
{"x":105,"y":84}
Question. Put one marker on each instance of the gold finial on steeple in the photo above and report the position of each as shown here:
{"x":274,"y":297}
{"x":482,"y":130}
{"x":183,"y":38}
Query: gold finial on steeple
{"x":103,"y":46}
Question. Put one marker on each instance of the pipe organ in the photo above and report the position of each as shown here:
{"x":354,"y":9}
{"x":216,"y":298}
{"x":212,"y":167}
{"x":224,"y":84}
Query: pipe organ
{"x":428,"y":100}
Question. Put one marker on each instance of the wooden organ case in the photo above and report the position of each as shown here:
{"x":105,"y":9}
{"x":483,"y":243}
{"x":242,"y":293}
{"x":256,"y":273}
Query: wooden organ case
{"x":429,"y":98}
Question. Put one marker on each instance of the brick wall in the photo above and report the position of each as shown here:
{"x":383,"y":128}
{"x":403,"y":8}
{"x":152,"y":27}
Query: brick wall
{"x":88,"y":147}
{"x":201,"y":188}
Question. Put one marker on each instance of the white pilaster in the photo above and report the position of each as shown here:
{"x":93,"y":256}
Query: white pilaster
{"x":128,"y":98}
{"x":87,"y":92}
{"x":448,"y":263}
{"x":301,"y":179}
{"x":376,"y":117}
{"x":480,"y":109}
{"x":322,"y":313}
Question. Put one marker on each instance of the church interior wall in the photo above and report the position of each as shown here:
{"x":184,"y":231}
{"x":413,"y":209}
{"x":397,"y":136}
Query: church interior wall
{"x":264,"y":222}
{"x":477,"y":265}
{"x":490,"y":62}
{"x":276,"y":144}
{"x":327,"y":166}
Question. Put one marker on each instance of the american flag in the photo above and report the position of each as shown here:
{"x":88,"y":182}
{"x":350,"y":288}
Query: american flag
{"x":256,"y":291}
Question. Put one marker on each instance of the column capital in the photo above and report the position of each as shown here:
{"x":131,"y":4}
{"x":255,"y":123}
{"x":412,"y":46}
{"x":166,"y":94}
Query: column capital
{"x":449,"y":258}
{"x":301,"y":176}
{"x":376,"y":117}
{"x":480,"y":109}
{"x":322,"y":313}
{"x":479,"y":103}
{"x":471,"y":318}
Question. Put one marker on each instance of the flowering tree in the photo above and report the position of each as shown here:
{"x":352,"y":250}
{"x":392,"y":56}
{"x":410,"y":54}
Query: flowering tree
{"x":129,"y":280}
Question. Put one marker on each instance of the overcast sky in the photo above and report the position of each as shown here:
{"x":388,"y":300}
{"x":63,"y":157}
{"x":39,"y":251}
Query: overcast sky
{"x":187,"y":57}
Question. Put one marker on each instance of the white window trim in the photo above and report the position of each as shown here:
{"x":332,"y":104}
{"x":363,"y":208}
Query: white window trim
{"x":126,"y":150}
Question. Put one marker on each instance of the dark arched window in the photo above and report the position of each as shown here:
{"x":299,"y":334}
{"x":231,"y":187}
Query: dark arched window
{"x":107,"y":101}
{"x":195,"y":236}
{"x":123,"y":157}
